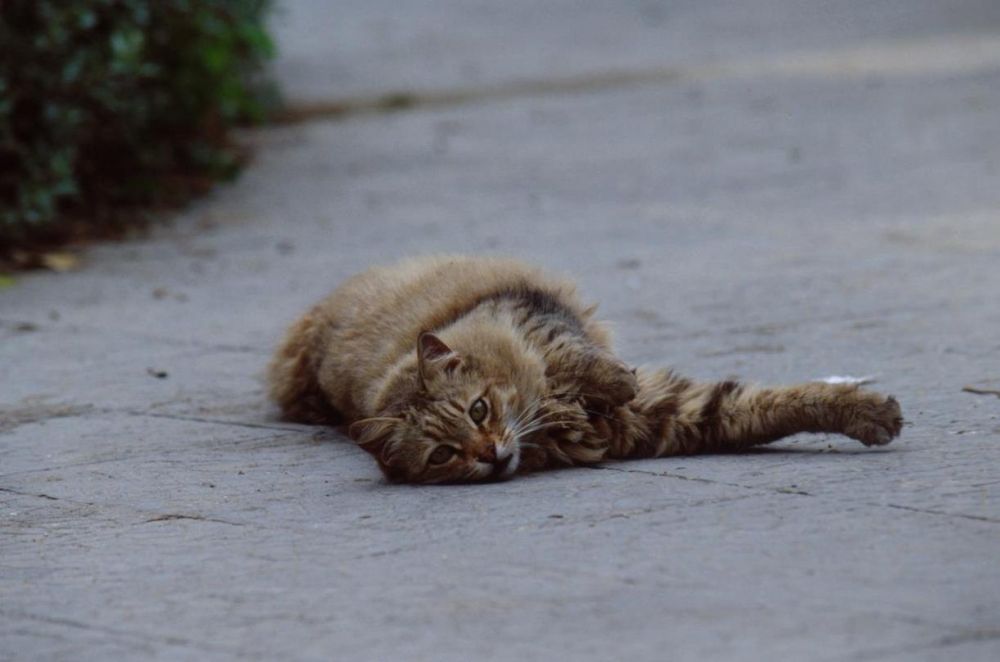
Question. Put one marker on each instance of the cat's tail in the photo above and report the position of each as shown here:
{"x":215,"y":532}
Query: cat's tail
{"x":672,"y":415}
{"x":293,"y":374}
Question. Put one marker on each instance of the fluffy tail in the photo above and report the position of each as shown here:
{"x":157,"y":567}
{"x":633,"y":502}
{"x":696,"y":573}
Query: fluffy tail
{"x":292,"y":375}
{"x":673,"y":416}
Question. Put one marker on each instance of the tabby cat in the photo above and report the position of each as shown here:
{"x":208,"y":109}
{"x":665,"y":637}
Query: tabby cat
{"x":454,"y":369}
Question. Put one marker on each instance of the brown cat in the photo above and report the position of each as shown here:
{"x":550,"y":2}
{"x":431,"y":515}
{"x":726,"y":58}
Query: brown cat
{"x":469,"y":369}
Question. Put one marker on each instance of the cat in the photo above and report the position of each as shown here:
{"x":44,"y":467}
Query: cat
{"x":461,"y":369}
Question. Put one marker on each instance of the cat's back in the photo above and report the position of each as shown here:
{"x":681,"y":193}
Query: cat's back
{"x":425,"y":293}
{"x":343,"y":348}
{"x":372,"y":321}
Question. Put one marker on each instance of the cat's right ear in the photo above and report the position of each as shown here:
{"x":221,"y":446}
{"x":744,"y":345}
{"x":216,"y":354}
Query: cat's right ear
{"x":434,"y":356}
{"x":372,"y":434}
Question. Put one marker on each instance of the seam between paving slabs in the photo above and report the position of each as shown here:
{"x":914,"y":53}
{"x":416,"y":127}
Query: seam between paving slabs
{"x":166,"y":454}
{"x":215,"y":421}
{"x":153,"y":515}
{"x":135,"y":637}
{"x":797,"y":492}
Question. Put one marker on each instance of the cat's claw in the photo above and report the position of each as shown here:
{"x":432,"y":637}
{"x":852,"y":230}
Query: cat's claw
{"x":877,"y":420}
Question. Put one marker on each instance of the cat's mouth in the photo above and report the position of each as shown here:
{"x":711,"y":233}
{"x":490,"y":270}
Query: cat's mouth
{"x":501,"y":468}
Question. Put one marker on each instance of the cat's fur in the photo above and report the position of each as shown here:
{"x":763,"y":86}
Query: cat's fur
{"x":402,"y":354}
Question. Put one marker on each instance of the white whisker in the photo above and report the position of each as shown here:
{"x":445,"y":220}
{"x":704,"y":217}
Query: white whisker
{"x":540,"y":418}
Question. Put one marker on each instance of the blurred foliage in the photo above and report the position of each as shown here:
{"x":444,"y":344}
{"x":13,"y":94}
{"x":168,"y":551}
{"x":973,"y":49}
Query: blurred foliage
{"x":109,"y":106}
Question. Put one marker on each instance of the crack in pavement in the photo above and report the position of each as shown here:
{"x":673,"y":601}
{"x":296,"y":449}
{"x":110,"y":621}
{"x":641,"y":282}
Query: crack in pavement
{"x":32,"y":494}
{"x":199,"y":419}
{"x":929,"y":511}
{"x":166,"y":517}
{"x":156,"y":517}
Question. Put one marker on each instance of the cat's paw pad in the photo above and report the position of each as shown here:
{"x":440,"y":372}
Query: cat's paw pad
{"x":875,"y":421}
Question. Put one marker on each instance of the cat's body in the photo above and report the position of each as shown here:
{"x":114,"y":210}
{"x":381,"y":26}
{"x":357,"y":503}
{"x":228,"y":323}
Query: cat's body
{"x":458,"y":369}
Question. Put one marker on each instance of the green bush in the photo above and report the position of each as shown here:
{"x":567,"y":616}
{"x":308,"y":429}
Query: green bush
{"x":108,"y":106}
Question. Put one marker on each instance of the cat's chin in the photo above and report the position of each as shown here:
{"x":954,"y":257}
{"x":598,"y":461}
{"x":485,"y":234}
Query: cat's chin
{"x":502,"y":468}
{"x":487,"y":472}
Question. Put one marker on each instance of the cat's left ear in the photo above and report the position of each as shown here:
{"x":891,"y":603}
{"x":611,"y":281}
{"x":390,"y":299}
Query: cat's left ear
{"x":372,"y":434}
{"x":433,"y":356}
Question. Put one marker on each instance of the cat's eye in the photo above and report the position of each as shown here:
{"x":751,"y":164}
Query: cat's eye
{"x":441,"y":455}
{"x":478,"y":411}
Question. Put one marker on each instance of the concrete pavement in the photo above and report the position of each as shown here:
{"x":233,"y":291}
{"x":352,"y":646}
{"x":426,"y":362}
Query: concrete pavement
{"x":781,"y":193}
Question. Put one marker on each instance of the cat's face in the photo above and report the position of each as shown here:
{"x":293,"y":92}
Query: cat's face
{"x":466,"y":424}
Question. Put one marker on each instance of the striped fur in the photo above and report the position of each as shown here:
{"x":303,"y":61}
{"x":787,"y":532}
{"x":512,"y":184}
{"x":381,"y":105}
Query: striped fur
{"x":402,"y":354}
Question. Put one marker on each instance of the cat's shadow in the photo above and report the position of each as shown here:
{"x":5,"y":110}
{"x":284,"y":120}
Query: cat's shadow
{"x":807,"y":452}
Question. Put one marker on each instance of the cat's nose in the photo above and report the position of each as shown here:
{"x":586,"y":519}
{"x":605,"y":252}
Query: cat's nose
{"x":489,"y":453}
{"x":500,"y":465}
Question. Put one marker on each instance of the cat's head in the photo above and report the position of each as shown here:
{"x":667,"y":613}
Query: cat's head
{"x":462,"y":422}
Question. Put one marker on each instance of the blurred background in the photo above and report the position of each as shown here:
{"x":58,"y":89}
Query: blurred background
{"x":110,"y":108}
{"x":114,"y":109}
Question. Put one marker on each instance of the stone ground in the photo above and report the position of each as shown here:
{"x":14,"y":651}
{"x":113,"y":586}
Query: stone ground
{"x":777,"y":190}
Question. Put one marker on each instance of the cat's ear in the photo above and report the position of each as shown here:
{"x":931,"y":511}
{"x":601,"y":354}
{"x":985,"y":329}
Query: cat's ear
{"x":372,"y":434}
{"x":434,"y":356}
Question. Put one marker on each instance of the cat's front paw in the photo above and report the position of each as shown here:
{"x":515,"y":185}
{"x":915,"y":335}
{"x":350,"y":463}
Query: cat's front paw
{"x":874,"y":420}
{"x":617,"y":384}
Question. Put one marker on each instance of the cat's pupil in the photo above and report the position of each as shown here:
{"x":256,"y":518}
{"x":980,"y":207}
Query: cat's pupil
{"x":442,"y":454}
{"x":477,"y":412}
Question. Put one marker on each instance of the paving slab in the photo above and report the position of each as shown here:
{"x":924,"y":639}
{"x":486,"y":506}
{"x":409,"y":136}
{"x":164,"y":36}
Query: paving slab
{"x":778,"y":223}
